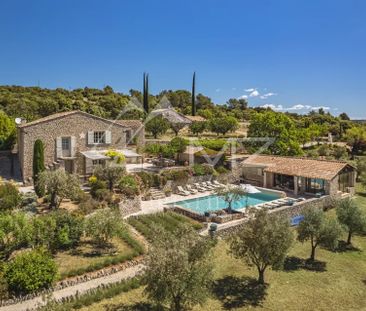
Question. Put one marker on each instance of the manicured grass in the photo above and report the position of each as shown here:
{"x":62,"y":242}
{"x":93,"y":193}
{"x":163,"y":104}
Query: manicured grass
{"x":85,"y":258}
{"x":168,"y":220}
{"x":338,"y":282}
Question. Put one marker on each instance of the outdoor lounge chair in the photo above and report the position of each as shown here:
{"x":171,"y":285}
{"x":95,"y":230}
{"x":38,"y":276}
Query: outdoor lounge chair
{"x":181,"y":191}
{"x":199,"y":187}
{"x":215,"y":182}
{"x":210,"y":183}
{"x":205,"y":184}
{"x":191,"y":190}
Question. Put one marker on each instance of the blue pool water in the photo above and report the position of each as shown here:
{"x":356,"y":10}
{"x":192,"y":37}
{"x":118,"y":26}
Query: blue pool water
{"x":214,"y":203}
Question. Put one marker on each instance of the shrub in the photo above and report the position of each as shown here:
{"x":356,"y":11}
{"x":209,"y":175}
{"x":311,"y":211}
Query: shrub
{"x":222,"y":170}
{"x":177,"y":175}
{"x":94,"y":296}
{"x":9,"y":196}
{"x":324,"y":150}
{"x":95,"y":185}
{"x":57,"y":230}
{"x":119,"y":157}
{"x":179,"y":144}
{"x":30,"y":271}
{"x":129,"y":186}
{"x":89,"y":206}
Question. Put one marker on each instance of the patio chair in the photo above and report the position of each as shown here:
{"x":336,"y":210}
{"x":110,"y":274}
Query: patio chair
{"x":210,"y":183}
{"x":191,"y":190}
{"x":205,"y":184}
{"x":215,"y":182}
{"x":181,"y":191}
{"x":199,"y":187}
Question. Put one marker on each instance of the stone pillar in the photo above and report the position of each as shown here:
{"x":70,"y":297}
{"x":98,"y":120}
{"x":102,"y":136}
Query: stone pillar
{"x":296,"y":185}
{"x":265,"y":180}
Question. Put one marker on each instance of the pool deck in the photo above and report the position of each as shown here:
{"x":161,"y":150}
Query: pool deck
{"x":154,"y":206}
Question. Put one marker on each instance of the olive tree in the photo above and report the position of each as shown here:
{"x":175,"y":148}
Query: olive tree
{"x":102,"y":226}
{"x":319,"y":230}
{"x":351,"y":217}
{"x":110,"y":174}
{"x":58,"y":185}
{"x":263,"y":242}
{"x":179,"y":269}
{"x":231,"y":194}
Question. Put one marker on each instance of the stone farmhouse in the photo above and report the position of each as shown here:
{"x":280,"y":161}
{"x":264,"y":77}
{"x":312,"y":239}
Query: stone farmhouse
{"x":300,"y":176}
{"x":77,"y":141}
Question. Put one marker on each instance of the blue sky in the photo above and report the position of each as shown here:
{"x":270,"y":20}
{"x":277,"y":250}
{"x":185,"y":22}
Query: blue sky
{"x":294,"y":54}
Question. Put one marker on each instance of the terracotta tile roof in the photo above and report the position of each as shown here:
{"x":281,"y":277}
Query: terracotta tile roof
{"x":304,"y":167}
{"x":134,"y":124}
{"x":48,"y":118}
{"x":62,"y":115}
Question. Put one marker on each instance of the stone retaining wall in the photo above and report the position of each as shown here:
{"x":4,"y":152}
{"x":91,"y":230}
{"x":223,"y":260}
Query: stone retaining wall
{"x":74,"y":281}
{"x":130,"y":206}
{"x":324,"y":202}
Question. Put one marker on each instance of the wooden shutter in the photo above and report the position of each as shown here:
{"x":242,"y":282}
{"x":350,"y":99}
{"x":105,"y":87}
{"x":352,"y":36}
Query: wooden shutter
{"x":108,"y":137}
{"x":58,"y":147}
{"x":72,"y":146}
{"x":90,"y":138}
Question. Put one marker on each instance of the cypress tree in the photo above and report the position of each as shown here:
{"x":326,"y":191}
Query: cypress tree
{"x":146,"y":92}
{"x":194,"y":94}
{"x":38,"y":164}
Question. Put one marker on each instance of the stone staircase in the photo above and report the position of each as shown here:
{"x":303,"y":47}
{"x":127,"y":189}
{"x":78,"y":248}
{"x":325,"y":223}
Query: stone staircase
{"x":156,"y":193}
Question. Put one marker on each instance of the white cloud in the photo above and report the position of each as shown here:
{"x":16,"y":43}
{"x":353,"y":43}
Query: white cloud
{"x":243,"y":97}
{"x":255,"y":93}
{"x":265,"y":96}
{"x":297,"y":107}
{"x":249,"y":90}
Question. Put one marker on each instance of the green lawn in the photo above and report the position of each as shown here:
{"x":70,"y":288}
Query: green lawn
{"x":338,"y":284}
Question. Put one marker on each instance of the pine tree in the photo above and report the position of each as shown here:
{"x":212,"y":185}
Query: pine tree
{"x":38,"y":165}
{"x":194,"y":94}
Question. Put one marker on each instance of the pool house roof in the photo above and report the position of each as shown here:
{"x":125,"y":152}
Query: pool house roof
{"x":304,"y":167}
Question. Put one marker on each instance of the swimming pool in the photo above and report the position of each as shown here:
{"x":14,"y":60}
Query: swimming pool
{"x":214,"y":203}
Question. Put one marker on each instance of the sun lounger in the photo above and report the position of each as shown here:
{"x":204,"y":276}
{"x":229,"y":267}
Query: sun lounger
{"x":181,"y":191}
{"x":199,"y":187}
{"x":210,"y":183}
{"x":191,"y":190}
{"x":205,"y":184}
{"x":215,"y":182}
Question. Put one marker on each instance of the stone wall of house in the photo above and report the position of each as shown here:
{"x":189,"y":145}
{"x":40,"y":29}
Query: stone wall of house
{"x":76,"y":125}
{"x":130,"y":206}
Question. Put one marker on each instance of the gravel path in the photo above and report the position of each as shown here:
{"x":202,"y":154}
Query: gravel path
{"x":72,"y":290}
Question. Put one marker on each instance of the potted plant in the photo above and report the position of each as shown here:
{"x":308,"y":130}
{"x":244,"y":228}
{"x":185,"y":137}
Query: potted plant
{"x":168,"y":191}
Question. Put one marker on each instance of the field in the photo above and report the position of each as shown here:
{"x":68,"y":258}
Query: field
{"x":86,"y":258}
{"x":338,"y":282}
{"x":169,"y":221}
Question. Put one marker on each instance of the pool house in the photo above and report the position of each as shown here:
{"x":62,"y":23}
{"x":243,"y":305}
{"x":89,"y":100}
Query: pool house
{"x":300,"y":176}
